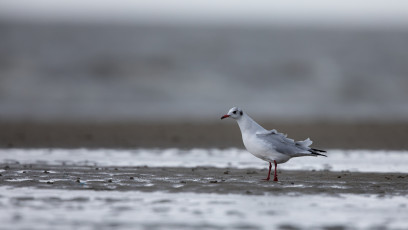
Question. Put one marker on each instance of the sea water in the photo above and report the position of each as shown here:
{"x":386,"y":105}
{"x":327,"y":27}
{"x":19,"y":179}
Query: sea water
{"x":337,"y":160}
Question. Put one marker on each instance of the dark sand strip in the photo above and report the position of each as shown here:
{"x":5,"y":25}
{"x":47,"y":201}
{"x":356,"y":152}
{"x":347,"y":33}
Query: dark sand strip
{"x":201,"y":180}
{"x":192,"y":135}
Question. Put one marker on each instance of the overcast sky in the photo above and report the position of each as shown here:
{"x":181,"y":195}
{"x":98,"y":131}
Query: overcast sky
{"x":315,"y":12}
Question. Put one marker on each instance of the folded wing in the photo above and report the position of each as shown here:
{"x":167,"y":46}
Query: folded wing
{"x":282,"y":144}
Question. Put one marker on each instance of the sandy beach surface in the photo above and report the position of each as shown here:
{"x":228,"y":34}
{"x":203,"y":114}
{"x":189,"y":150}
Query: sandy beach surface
{"x":219,"y":134}
{"x":43,"y":196}
{"x":202,"y":180}
{"x":197,"y":176}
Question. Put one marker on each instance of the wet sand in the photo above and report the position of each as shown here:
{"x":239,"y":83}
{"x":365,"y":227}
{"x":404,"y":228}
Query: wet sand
{"x":77,"y":192}
{"x":195,"y":135}
{"x":202,"y":180}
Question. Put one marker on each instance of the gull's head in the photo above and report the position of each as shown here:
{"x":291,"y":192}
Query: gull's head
{"x":234,"y":113}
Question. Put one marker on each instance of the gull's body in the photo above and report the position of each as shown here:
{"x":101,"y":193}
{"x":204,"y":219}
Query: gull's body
{"x":269,"y":145}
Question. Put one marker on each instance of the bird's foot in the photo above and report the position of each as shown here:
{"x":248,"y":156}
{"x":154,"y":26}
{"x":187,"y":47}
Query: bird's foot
{"x":266,"y":179}
{"x":275,"y":179}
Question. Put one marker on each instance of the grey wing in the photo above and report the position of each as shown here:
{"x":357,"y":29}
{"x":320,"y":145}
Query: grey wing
{"x":282,"y":144}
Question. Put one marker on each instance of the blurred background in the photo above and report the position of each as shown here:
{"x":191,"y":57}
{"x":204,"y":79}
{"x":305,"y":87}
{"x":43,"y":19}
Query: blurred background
{"x":161,"y":73}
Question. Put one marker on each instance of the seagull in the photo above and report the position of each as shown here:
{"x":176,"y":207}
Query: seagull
{"x":270,"y":145}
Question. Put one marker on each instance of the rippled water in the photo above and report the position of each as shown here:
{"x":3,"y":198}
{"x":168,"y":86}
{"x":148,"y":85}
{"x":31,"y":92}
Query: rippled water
{"x":26,"y":208}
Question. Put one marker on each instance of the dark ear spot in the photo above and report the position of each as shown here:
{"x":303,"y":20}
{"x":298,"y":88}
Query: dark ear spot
{"x":241,"y":113}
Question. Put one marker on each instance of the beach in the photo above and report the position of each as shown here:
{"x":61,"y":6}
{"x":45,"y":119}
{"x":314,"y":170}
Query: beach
{"x":58,"y":191}
{"x":203,"y":180}
{"x":198,"y":176}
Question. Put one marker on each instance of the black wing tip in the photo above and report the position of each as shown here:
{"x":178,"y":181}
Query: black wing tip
{"x":319,"y":150}
{"x":316,"y":152}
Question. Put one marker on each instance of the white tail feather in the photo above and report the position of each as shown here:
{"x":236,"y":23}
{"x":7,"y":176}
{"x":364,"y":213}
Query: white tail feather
{"x":305,"y":143}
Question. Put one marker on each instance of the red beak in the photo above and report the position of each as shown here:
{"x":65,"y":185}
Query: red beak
{"x":225,"y":116}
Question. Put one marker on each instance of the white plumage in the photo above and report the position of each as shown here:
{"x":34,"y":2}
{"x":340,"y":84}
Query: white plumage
{"x":269,"y":145}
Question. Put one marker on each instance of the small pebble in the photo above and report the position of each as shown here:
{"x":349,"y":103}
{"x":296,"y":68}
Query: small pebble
{"x":49,"y":182}
{"x":110,"y":180}
{"x":1,"y":175}
{"x":183,"y":182}
{"x":338,"y":176}
{"x":78,"y":181}
{"x":6,"y":167}
{"x":96,"y":168}
{"x":292,"y":183}
{"x":45,"y":171}
{"x":213,"y":181}
{"x":116,"y":169}
{"x":248,"y":192}
{"x":24,"y":172}
{"x":132,"y":178}
{"x":226,"y":172}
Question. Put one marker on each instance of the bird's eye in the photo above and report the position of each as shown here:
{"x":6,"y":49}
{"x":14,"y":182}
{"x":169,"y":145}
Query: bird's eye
{"x":235,"y":112}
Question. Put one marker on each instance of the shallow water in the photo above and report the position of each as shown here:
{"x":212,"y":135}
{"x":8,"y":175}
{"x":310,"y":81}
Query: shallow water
{"x":28,"y":208}
{"x":337,"y":160}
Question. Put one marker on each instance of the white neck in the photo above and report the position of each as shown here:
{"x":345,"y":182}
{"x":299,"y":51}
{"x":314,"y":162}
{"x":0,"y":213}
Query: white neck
{"x":247,"y":125}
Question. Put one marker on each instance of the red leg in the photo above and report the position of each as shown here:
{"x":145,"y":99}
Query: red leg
{"x":269,"y":173}
{"x":275,"y":178}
